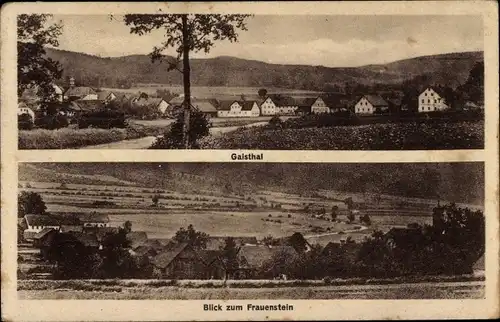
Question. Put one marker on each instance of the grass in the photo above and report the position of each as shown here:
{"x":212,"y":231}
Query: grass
{"x":416,"y":287}
{"x":407,"y":136}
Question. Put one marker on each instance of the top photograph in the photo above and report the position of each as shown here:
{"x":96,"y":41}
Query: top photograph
{"x":262,"y":82}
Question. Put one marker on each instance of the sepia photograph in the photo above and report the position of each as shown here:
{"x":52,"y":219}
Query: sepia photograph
{"x":250,"y":81}
{"x":205,"y":231}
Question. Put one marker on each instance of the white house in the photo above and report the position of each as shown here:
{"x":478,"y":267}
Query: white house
{"x":93,"y":219}
{"x":250,"y":108}
{"x":36,"y":223}
{"x":229,"y":109}
{"x":370,"y":104}
{"x":268,"y":107}
{"x":285,"y":105}
{"x":22,"y":108}
{"x":58,"y":92}
{"x":319,"y":106}
{"x":430,"y":101}
{"x":83,"y":93}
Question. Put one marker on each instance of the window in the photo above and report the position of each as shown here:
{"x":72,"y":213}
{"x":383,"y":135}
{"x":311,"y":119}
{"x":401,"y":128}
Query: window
{"x":422,"y":100}
{"x":425,"y":94}
{"x":428,"y":101}
{"x":432,"y":94}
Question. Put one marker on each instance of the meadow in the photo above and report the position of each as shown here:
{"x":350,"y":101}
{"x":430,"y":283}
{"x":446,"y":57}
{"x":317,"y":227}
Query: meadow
{"x":390,"y":136}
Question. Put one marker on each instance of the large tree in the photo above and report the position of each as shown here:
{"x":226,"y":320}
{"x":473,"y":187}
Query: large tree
{"x":34,"y":68}
{"x":186,"y":33}
{"x":29,"y":202}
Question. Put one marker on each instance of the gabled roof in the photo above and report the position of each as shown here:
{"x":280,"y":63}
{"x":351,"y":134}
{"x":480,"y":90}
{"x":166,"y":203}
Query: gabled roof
{"x":205,"y":106}
{"x":79,"y":91}
{"x":102,"y":95}
{"x":150,"y":101}
{"x":101,"y":232}
{"x":88,"y":105}
{"x":226,"y":105}
{"x":145,"y":250}
{"x":376,"y":100}
{"x":67,"y":218}
{"x":41,"y":220}
{"x":71,"y":228}
{"x":256,"y":256}
{"x":209,"y":256}
{"x":306,"y":101}
{"x":88,"y":240}
{"x":437,"y":89}
{"x":284,"y":100}
{"x":178,"y":100}
{"x":164,"y":258}
{"x":43,"y":233}
{"x":246,"y":105}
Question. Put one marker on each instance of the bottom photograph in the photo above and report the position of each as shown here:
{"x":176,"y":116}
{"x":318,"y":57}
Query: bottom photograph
{"x":106,"y":230}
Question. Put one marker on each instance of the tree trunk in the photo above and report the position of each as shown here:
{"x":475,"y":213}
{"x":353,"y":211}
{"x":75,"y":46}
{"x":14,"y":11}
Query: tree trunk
{"x":187,"y":81}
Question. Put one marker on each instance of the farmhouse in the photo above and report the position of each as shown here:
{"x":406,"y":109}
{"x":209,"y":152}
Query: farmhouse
{"x":255,"y":259}
{"x":267,"y":106}
{"x":81,"y":106}
{"x":79,"y":92}
{"x":430,"y":101}
{"x":156,"y":104}
{"x":250,"y":108}
{"x":22,"y":108}
{"x":106,"y":96}
{"x":181,"y":261}
{"x":207,"y":107}
{"x":285,"y":105}
{"x":37,"y":223}
{"x":371,"y":104}
{"x":229,"y":109}
{"x":319,"y":106}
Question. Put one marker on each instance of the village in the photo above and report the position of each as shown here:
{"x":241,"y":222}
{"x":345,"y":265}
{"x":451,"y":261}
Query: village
{"x":74,"y":100}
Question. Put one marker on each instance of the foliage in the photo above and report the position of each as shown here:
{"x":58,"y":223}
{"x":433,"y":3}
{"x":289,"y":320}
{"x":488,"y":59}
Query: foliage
{"x":155,"y":199}
{"x":275,"y":122}
{"x":262,"y":92}
{"x":104,"y":119}
{"x":172,"y":139}
{"x":404,"y":136}
{"x":194,"y":238}
{"x":29,"y":202}
{"x":53,"y":122}
{"x":33,"y":67}
{"x":24,"y":122}
{"x":73,"y":138}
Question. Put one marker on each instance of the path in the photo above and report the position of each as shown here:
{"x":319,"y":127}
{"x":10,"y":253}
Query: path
{"x":146,"y":142}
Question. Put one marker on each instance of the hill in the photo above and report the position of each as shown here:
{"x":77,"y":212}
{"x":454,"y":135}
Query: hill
{"x":231,"y":71}
{"x":425,"y":180}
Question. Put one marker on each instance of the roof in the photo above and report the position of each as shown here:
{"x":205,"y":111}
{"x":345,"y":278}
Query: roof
{"x":155,"y":243}
{"x":395,"y":101}
{"x":144,"y":250}
{"x":93,"y":217}
{"x":164,"y":258}
{"x":209,"y":256}
{"x":256,"y":256}
{"x":100,"y":232}
{"x":43,"y":233}
{"x":436,"y":89}
{"x":280,"y":100}
{"x":178,"y":100}
{"x":150,"y":101}
{"x":87,"y":105}
{"x":137,"y":238}
{"x":306,"y":101}
{"x":80,"y":91}
{"x":28,"y":235}
{"x":102,"y":95}
{"x":67,"y":219}
{"x":246,"y":105}
{"x":376,"y":100}
{"x":205,"y":106}
{"x":41,"y":220}
{"x":225,"y":105}
{"x":88,"y":240}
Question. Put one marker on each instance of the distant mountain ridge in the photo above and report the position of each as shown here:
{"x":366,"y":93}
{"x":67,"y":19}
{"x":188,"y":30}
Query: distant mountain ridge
{"x":446,"y":69}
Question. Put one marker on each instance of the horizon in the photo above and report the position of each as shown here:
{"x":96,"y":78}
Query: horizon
{"x":314,"y":40}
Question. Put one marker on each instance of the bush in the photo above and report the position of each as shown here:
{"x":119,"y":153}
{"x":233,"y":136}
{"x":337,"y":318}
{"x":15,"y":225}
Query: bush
{"x":25,"y":122}
{"x":104,"y":119}
{"x":53,"y":122}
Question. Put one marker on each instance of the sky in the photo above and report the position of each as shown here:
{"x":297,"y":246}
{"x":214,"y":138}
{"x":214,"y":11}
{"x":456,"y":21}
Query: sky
{"x":333,"y":41}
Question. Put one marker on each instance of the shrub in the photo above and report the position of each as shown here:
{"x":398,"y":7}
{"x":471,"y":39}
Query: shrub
{"x":104,"y":119}
{"x":25,"y":122}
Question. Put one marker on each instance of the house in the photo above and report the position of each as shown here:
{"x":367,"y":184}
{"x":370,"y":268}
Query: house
{"x":229,"y":109}
{"x":85,"y":106}
{"x":319,"y":106}
{"x":93,"y":220}
{"x":431,"y":100}
{"x":181,"y":261}
{"x":249,"y":108}
{"x":106,"y":96}
{"x":255,"y":260}
{"x":39,"y":237}
{"x":32,"y":94}
{"x":285,"y":105}
{"x":305,"y":104}
{"x":371,"y":104}
{"x":22,"y":108}
{"x":37,"y":223}
{"x":267,"y":106}
{"x":79,"y":92}
{"x":207,"y":107}
{"x":155,"y":104}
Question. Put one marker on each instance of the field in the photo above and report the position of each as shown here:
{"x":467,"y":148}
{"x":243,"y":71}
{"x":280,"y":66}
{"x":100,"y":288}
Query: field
{"x":224,"y":214}
{"x":407,"y":136}
{"x":210,"y":91}
{"x":426,"y":288}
